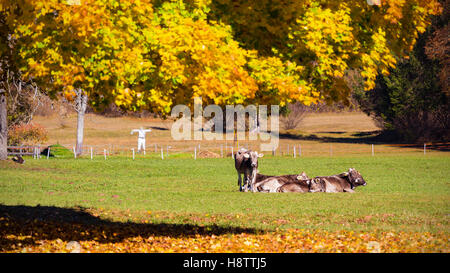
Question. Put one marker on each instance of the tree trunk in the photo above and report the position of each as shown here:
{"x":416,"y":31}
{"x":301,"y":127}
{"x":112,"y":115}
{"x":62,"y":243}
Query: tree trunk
{"x":3,"y":126}
{"x":81,"y":104}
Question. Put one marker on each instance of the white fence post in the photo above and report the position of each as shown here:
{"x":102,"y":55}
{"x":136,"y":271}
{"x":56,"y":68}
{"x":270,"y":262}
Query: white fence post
{"x":92,"y":156}
{"x":104,"y":153}
{"x":48,"y":152}
{"x":133,"y":152}
{"x":74,"y":153}
{"x":162,"y":153}
{"x":195,"y":152}
{"x":294,"y":151}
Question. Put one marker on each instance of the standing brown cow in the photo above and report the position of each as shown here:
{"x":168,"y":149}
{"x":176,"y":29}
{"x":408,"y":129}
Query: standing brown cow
{"x":246,"y":162}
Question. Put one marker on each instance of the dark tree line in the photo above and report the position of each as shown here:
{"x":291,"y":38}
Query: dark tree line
{"x":412,"y":102}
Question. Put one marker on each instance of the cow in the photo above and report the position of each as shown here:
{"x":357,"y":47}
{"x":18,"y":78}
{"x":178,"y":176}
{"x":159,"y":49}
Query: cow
{"x":298,"y":186}
{"x":246,"y":163}
{"x":18,"y":159}
{"x":344,"y":182}
{"x":271,"y":184}
{"x":261,"y":177}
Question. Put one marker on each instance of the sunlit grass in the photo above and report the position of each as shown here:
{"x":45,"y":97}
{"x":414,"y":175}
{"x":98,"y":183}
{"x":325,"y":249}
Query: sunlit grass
{"x":402,"y":193}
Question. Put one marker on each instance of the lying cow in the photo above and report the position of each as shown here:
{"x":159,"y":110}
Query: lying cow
{"x":344,"y":182}
{"x":246,"y":163}
{"x":18,"y":159}
{"x":298,"y":186}
{"x":272,"y":184}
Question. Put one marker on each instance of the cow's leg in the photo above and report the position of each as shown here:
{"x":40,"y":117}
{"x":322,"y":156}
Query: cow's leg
{"x":239,"y":181}
{"x":246,"y":181}
{"x":253,"y":181}
{"x":349,"y":190}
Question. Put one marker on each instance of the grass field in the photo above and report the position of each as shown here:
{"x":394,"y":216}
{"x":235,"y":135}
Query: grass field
{"x":407,"y":195}
{"x":403,"y":193}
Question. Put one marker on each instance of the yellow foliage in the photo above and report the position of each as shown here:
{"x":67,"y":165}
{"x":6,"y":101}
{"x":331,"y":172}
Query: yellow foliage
{"x":144,"y":57}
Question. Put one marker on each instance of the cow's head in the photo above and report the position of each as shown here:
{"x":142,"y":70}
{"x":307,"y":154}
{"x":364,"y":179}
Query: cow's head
{"x":253,"y":157}
{"x":315,"y":185}
{"x":302,"y":176}
{"x":355,"y":178}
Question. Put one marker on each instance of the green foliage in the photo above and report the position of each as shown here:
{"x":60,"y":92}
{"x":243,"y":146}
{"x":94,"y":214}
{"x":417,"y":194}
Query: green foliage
{"x":58,"y":151}
{"x":410,"y":101}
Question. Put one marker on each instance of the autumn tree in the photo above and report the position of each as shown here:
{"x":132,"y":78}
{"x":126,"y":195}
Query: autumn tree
{"x":78,"y":50}
{"x":156,"y":54}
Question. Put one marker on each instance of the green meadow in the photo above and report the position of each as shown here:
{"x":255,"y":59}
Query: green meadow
{"x":403,"y":192}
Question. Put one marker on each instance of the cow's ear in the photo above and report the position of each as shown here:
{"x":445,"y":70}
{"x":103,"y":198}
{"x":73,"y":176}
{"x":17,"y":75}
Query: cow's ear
{"x":246,"y":155}
{"x":300,"y":177}
{"x":260,"y":155}
{"x":345,"y":174}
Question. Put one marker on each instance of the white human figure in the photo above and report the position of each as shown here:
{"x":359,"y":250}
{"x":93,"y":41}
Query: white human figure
{"x":141,"y":137}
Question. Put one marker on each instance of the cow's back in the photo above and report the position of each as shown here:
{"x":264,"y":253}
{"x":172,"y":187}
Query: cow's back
{"x":294,"y":187}
{"x":261,"y":177}
{"x":335,"y":183}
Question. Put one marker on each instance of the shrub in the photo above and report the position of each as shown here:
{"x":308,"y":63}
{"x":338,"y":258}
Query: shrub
{"x":294,"y":116}
{"x":26,"y":134}
{"x":58,"y":150}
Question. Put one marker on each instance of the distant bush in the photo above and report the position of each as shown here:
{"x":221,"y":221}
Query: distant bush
{"x":57,"y":150}
{"x":26,"y":134}
{"x":294,"y":116}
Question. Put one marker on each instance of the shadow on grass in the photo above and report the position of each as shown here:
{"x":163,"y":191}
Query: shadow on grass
{"x":158,"y":128}
{"x":373,"y":137}
{"x":76,"y":224}
{"x":360,"y":137}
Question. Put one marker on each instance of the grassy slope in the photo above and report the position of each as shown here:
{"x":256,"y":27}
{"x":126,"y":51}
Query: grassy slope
{"x":409,"y":192}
